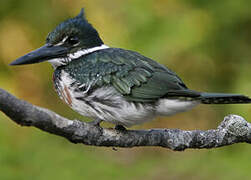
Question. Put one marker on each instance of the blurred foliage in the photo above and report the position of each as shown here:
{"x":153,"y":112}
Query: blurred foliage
{"x":208,"y":43}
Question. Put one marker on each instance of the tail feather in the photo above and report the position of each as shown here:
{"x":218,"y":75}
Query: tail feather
{"x":221,"y":98}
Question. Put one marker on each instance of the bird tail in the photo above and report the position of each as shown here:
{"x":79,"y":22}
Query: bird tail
{"x":221,"y":98}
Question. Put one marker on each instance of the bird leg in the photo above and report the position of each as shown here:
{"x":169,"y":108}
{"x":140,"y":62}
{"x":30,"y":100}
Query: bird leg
{"x":120,"y":127}
{"x":95,"y":122}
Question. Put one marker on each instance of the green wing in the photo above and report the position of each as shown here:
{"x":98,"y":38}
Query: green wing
{"x":136,"y":77}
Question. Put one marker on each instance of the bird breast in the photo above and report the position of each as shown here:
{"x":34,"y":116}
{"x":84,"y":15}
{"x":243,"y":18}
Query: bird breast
{"x":107,"y":104}
{"x":103,"y":103}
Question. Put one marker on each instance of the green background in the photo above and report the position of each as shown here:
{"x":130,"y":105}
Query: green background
{"x":208,"y":43}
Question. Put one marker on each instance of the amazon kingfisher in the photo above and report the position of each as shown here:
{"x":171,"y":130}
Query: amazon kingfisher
{"x":114,"y":85}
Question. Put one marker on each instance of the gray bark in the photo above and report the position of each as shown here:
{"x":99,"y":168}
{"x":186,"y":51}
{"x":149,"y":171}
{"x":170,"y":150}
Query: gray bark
{"x":233,"y":129}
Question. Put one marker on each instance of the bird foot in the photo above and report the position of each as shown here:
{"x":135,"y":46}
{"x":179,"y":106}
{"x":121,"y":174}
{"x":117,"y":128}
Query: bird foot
{"x":120,"y":128}
{"x":95,"y":122}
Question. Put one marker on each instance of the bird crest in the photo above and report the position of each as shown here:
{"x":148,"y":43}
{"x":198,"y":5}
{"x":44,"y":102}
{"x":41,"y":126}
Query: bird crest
{"x":81,"y":14}
{"x":76,"y":29}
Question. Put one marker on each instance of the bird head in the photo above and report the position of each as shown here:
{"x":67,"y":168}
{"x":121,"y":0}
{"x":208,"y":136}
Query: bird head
{"x":70,"y":39}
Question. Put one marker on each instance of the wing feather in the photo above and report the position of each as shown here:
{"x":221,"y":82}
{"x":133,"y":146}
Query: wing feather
{"x":136,"y":77}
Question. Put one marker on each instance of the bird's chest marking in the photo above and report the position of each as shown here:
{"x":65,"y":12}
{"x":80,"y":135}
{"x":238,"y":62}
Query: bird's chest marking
{"x":66,"y":95}
{"x":64,"y":88}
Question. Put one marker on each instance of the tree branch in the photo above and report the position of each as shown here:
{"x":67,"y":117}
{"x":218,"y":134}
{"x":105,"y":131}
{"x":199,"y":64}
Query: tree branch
{"x":233,"y":129}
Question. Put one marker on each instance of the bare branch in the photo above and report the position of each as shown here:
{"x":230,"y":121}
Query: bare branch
{"x":233,"y":129}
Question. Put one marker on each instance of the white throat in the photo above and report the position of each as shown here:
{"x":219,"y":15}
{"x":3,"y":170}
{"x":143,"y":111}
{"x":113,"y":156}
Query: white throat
{"x":63,"y":61}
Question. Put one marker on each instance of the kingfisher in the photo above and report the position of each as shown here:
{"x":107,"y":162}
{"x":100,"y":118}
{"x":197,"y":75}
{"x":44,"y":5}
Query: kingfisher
{"x":114,"y":85}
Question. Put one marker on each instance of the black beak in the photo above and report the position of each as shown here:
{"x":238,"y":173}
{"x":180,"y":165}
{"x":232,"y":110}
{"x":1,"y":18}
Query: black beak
{"x":46,"y":52}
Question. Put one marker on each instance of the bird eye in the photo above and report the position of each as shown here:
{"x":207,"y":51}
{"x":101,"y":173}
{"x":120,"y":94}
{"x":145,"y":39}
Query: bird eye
{"x":72,"y":40}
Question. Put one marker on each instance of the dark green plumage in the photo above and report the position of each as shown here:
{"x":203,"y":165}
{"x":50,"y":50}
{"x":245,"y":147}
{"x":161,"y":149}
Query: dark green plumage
{"x":111,"y":84}
{"x":78,"y":30}
{"x":136,"y":77}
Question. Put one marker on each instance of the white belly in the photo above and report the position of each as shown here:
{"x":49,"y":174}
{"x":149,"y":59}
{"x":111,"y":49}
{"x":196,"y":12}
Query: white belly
{"x":109,"y":105}
{"x":167,"y":107}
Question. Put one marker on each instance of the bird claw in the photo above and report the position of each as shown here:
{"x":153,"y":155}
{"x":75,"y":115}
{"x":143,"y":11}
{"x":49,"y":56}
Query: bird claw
{"x":120,"y":127}
{"x":95,"y":122}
